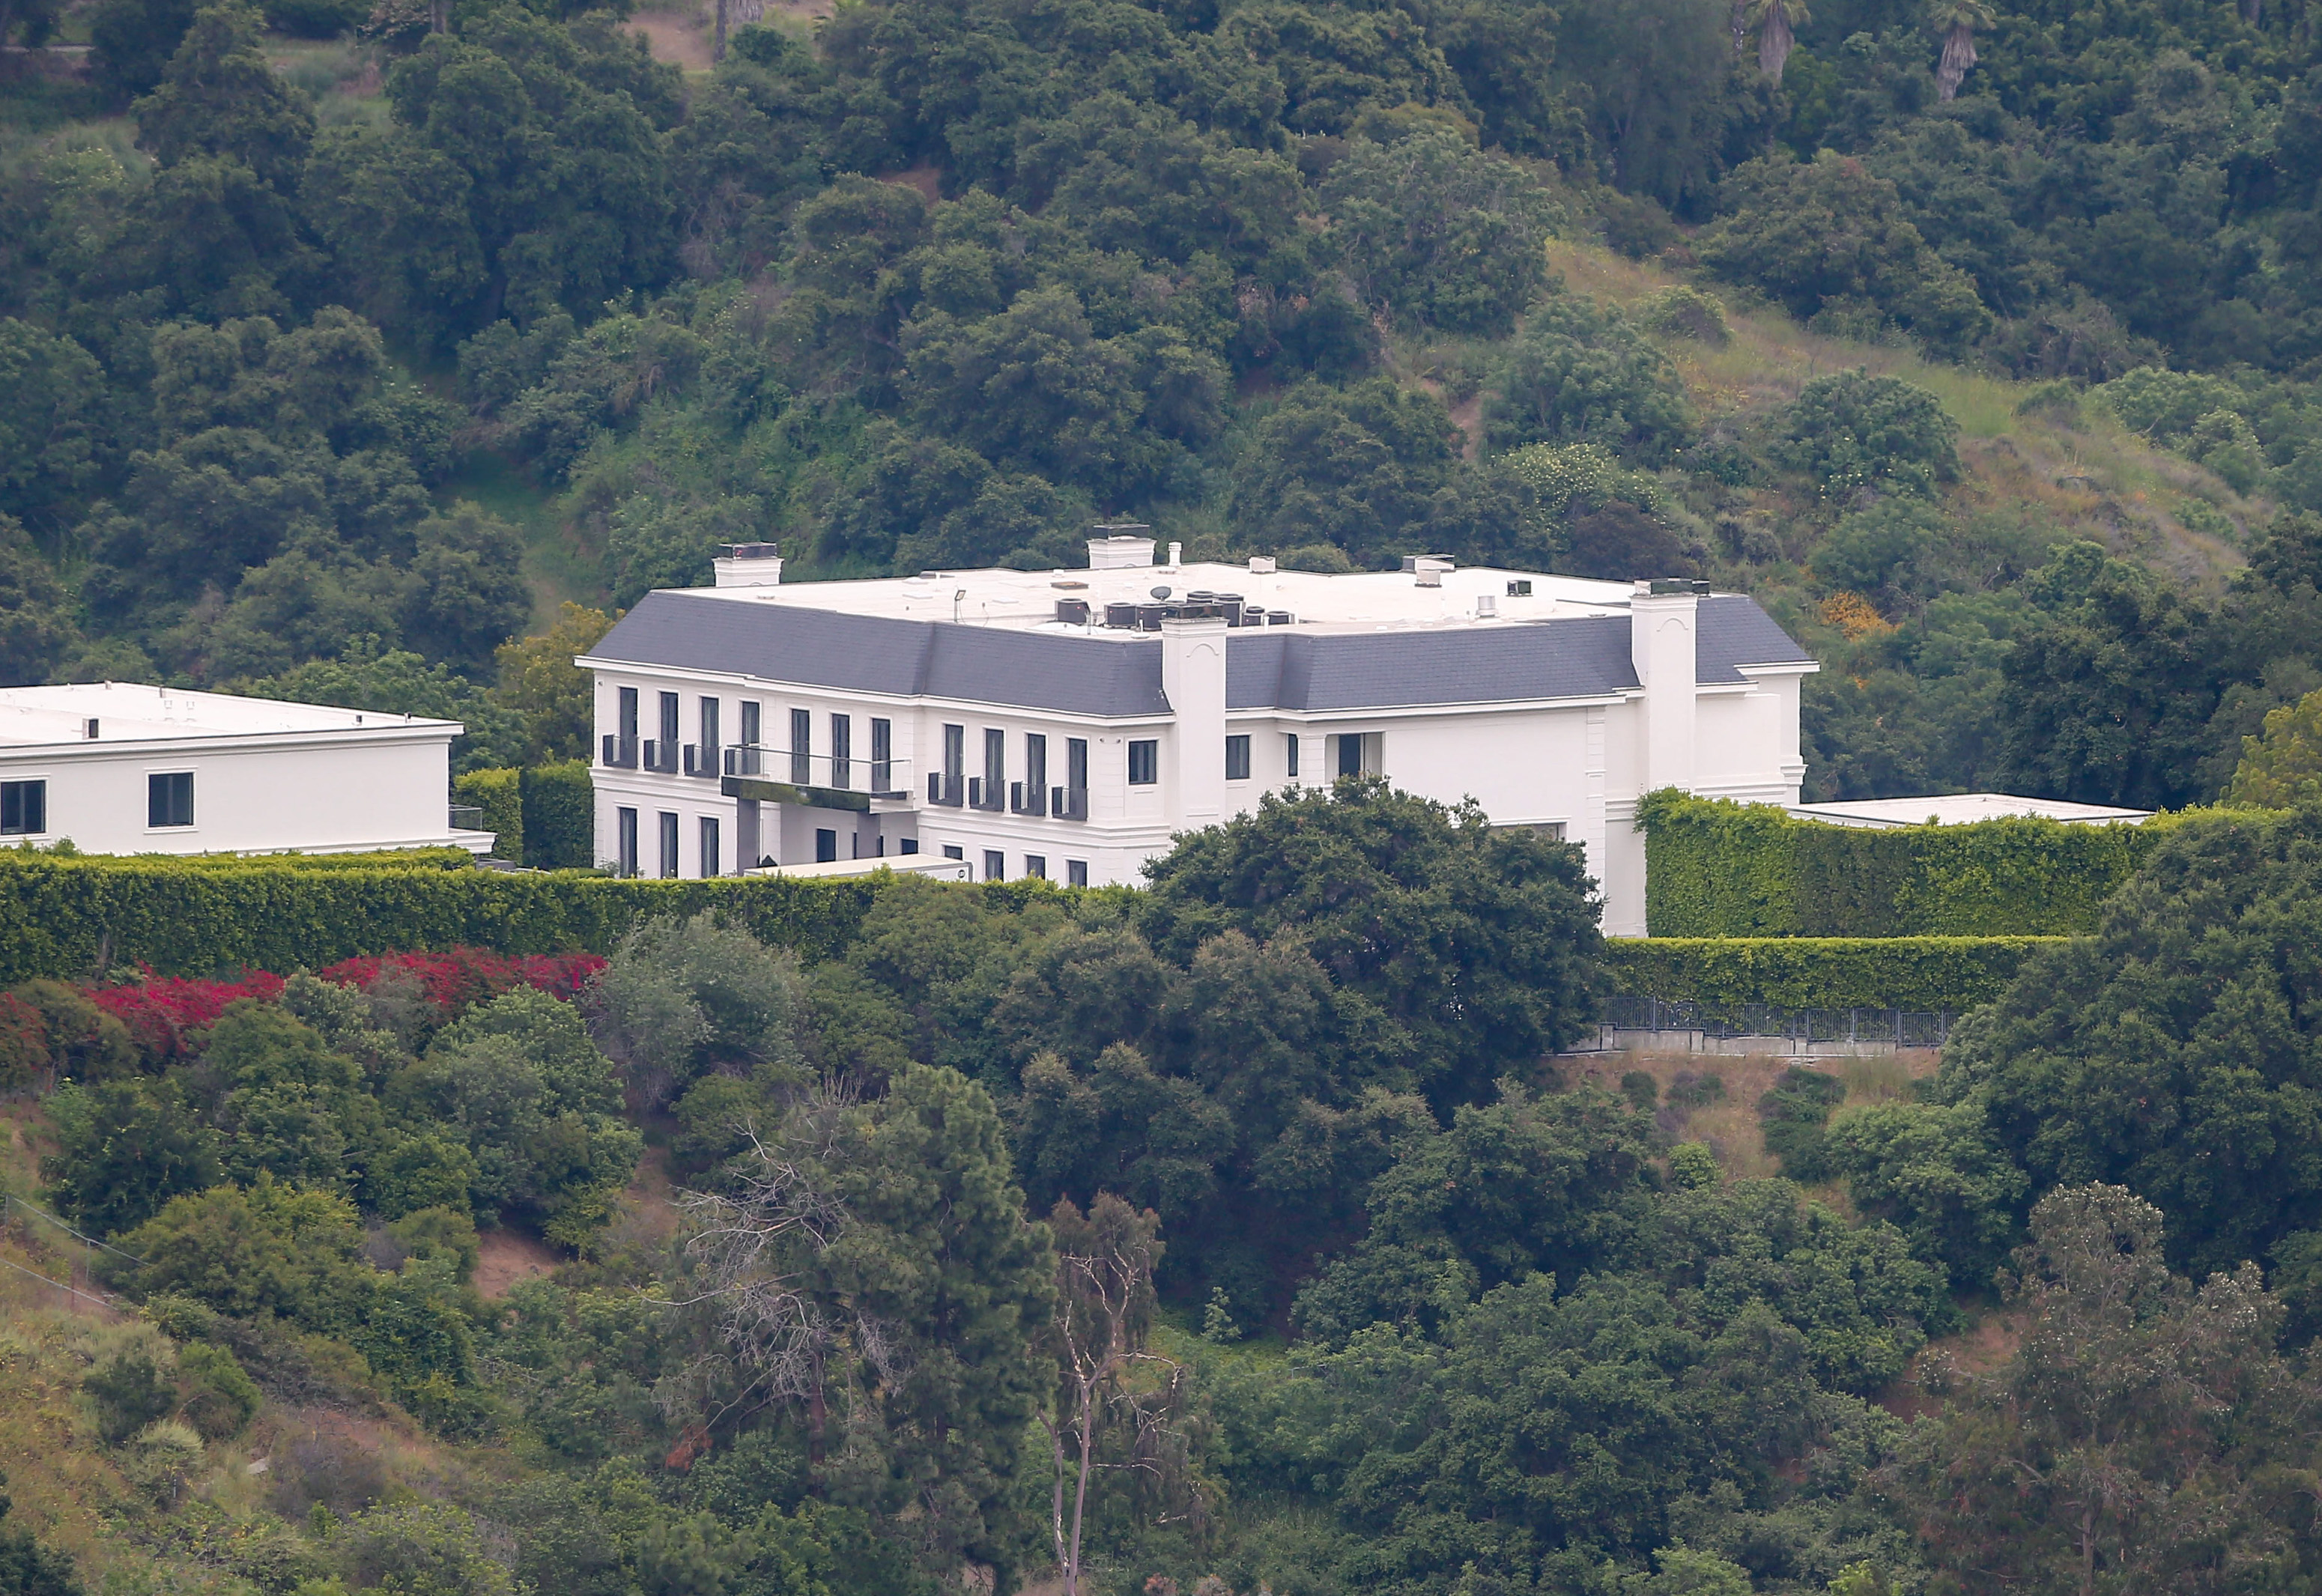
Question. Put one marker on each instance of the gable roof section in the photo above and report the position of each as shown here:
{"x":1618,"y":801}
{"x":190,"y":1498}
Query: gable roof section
{"x":1585,"y":657}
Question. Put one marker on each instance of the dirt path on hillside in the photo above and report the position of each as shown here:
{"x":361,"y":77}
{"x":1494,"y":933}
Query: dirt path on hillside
{"x":505,"y":1260}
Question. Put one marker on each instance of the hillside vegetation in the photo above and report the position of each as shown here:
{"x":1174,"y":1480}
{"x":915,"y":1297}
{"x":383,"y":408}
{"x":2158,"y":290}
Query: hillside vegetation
{"x":342,"y":349}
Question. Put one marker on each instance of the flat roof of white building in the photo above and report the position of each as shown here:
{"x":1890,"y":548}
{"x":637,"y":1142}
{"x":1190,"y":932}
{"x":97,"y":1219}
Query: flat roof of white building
{"x":133,"y":712}
{"x":1310,"y":642}
{"x":1960,"y":808}
{"x":1321,"y":601}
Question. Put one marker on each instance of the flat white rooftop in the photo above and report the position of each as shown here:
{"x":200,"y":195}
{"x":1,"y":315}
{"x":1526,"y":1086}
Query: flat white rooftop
{"x":131,"y":712}
{"x":1959,"y":808}
{"x":1357,"y":601}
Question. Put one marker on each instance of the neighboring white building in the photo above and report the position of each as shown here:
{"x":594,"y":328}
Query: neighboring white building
{"x":1960,"y":809}
{"x":117,"y":768}
{"x":1067,"y":724}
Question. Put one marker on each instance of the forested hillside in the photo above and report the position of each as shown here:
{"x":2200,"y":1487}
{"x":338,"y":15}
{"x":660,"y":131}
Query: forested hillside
{"x":340,"y":345}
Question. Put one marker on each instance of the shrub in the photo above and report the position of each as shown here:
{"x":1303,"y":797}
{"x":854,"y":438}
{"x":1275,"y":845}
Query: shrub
{"x":460,"y":977}
{"x":1579,"y":374}
{"x":124,"y":1149}
{"x":130,"y":1390}
{"x":680,"y":997}
{"x":216,"y":1396}
{"x":267,"y":1248}
{"x":2282,"y":765}
{"x":82,"y":1041}
{"x":559,"y":817}
{"x":1855,"y":431}
{"x":499,"y":794}
{"x":1684,"y":311}
{"x":159,"y":1012}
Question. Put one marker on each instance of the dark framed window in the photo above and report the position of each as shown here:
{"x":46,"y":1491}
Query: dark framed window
{"x":996,"y":762}
{"x":709,"y":730}
{"x":1145,"y":761}
{"x":954,"y":850}
{"x":995,"y":865}
{"x":711,"y":861}
{"x":1290,"y":753}
{"x":826,"y":845}
{"x":882,"y":755}
{"x":910,"y":844}
{"x":627,"y":716}
{"x":169,"y":798}
{"x":1076,"y":764}
{"x":803,"y":747}
{"x":669,"y":720}
{"x":624,"y":842}
{"x":667,"y":846}
{"x":1036,"y":865}
{"x":1036,"y":772}
{"x":1350,"y":754}
{"x":751,"y":724}
{"x":1075,"y":872}
{"x":23,"y":808}
{"x":1237,"y":757}
{"x":842,"y":750}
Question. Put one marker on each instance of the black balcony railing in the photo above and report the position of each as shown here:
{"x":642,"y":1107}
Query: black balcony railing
{"x":620,"y":752}
{"x":1068,"y":803}
{"x":661,"y":756}
{"x":1027,"y":800}
{"x":701,"y":761}
{"x":945,"y":789}
{"x":986,"y":795}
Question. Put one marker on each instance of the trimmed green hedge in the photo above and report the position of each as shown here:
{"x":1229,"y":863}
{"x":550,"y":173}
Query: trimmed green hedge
{"x":560,"y":816}
{"x":1920,"y":974}
{"x":1716,"y":868}
{"x":499,"y":794}
{"x":70,"y":917}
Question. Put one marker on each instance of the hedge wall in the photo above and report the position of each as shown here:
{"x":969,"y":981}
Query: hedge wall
{"x":1920,"y":974}
{"x":560,"y":816}
{"x":71,"y":916}
{"x":499,"y":794}
{"x":1716,"y":868}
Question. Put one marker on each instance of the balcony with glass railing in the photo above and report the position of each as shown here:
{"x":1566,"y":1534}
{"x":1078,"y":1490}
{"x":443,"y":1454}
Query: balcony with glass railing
{"x":885,"y":779}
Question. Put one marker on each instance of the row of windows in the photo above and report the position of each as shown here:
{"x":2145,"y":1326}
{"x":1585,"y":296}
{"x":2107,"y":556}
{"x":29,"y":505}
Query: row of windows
{"x":1351,"y":754}
{"x":1036,"y":865}
{"x":24,"y":804}
{"x":837,"y":767}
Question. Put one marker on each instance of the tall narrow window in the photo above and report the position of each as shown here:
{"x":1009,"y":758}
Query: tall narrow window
{"x":752,"y":763}
{"x":995,"y":768}
{"x":842,"y":750}
{"x":995,"y":865}
{"x":882,"y":754}
{"x":23,"y":808}
{"x":628,"y":728}
{"x":667,"y":846}
{"x":826,"y":845}
{"x":1144,"y":761}
{"x":1237,"y":757}
{"x":1035,"y":774}
{"x":1076,"y":788}
{"x":169,"y":798}
{"x":709,"y":737}
{"x":667,"y":748}
{"x":712,"y":860}
{"x":1350,"y":754}
{"x":624,"y":842}
{"x":1075,"y":872}
{"x":955,"y":765}
{"x":803,"y":747}
{"x":621,"y":747}
{"x":1290,"y":753}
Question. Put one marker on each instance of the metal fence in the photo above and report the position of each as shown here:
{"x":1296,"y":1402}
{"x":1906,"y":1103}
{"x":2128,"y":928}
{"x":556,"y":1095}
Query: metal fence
{"x":1898,"y":1027}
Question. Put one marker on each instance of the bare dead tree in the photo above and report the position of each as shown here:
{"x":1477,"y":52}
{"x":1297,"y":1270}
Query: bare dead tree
{"x":754,"y":1248}
{"x":1105,"y":1260}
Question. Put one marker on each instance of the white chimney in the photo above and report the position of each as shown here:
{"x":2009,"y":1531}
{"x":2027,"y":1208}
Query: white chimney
{"x":1430,"y":569}
{"x":1262,"y":565}
{"x":1662,"y":622}
{"x":1194,"y":681}
{"x":749,"y":565}
{"x":1176,"y":555}
{"x":1120,"y":546}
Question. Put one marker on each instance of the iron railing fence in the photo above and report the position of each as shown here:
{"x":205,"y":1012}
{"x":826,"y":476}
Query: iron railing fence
{"x":1899,"y":1026}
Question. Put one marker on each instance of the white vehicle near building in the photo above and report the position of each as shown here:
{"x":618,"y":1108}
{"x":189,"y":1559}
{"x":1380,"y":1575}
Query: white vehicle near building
{"x":120,"y":768}
{"x":1067,"y":724}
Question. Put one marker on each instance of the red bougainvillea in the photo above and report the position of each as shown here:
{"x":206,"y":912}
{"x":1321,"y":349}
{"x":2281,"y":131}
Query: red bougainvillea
{"x":454,"y":980}
{"x":160,"y":1009}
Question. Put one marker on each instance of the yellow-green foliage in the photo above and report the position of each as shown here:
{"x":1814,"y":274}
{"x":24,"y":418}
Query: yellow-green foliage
{"x":499,"y":794}
{"x":1921,"y":974}
{"x":2282,"y":765}
{"x":1716,"y":868}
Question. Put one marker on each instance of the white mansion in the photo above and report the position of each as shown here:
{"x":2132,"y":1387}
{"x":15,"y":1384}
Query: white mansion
{"x":1065,"y":724}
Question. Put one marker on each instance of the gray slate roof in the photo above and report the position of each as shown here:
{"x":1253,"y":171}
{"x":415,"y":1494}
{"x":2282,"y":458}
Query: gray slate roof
{"x":1581,"y":658}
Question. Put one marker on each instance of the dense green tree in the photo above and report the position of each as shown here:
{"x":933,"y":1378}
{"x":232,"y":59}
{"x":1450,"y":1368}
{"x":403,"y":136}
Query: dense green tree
{"x":221,"y":98}
{"x":2108,"y":687}
{"x":27,"y":1568}
{"x":2132,"y":1442}
{"x":1357,"y":468}
{"x":2173,"y":1052}
{"x":267,"y":1248}
{"x":1436,"y":234}
{"x":1855,"y":431}
{"x":1580,"y":374}
{"x":49,"y":448}
{"x":1498,"y":980}
{"x":2283,"y":765}
{"x":683,"y":998}
{"x":124,"y":1149}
